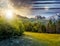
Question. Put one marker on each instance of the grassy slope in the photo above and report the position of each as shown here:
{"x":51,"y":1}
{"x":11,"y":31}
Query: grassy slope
{"x":45,"y":39}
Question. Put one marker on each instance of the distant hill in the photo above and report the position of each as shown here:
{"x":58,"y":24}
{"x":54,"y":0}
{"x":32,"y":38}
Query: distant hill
{"x":55,"y":18}
{"x":36,"y":19}
{"x":22,"y":17}
{"x":39,"y":17}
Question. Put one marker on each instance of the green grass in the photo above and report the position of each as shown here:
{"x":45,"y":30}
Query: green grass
{"x":45,"y":39}
{"x":32,"y":39}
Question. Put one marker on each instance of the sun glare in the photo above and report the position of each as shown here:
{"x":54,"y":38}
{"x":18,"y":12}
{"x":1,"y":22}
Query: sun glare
{"x":9,"y":14}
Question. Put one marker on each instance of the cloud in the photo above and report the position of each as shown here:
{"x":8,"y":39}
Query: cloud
{"x":3,"y":3}
{"x":23,"y":7}
{"x":21,"y":3}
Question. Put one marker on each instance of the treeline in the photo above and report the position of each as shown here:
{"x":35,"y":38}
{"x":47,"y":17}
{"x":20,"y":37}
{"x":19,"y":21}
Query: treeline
{"x":17,"y":27}
{"x":50,"y":27}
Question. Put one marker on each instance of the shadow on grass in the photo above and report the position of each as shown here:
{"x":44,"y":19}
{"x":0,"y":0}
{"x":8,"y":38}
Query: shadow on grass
{"x":21,"y":41}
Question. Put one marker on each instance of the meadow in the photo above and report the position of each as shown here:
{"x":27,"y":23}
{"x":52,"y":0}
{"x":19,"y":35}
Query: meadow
{"x":45,"y":39}
{"x":32,"y":39}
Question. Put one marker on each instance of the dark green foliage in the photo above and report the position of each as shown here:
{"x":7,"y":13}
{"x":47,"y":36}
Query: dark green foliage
{"x":34,"y":27}
{"x":43,"y":28}
{"x":50,"y":27}
{"x":53,"y":27}
{"x":7,"y":29}
{"x":58,"y":26}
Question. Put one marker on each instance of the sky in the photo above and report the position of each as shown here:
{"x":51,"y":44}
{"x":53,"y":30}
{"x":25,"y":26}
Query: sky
{"x":46,"y":7}
{"x":32,"y":8}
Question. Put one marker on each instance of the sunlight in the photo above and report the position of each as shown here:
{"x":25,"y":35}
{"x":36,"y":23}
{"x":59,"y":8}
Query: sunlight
{"x":9,"y":14}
